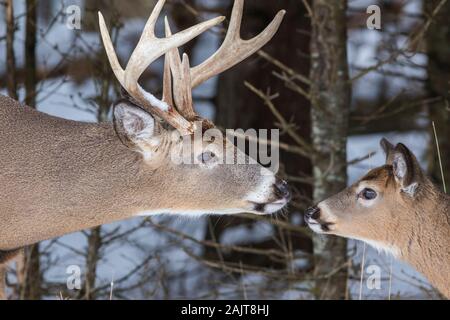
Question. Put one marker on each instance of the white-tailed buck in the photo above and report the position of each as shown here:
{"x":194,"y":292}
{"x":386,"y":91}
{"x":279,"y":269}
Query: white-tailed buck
{"x":59,"y":176}
{"x":394,"y":208}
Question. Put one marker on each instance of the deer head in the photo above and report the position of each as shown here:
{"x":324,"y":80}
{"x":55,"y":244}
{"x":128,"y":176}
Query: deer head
{"x":158,"y":130}
{"x":379,"y":205}
{"x":394,"y":208}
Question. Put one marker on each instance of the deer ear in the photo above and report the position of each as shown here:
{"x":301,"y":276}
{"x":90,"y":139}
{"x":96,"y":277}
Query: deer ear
{"x":405,"y":168}
{"x":387,"y":148}
{"x":135,"y":127}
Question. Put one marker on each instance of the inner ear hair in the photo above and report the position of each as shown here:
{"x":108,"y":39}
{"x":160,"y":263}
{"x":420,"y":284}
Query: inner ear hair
{"x":406,"y":169}
{"x":132,"y":123}
{"x":411,"y":189}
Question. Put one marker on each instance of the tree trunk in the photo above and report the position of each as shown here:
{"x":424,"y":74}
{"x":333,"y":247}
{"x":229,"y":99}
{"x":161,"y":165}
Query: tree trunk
{"x":11,"y":81}
{"x":93,"y":256}
{"x":3,"y":282}
{"x":11,"y":85}
{"x":238,"y":107}
{"x":438,"y":49}
{"x":30,"y":288}
{"x":30,"y":53}
{"x":330,"y":98}
{"x":31,"y":275}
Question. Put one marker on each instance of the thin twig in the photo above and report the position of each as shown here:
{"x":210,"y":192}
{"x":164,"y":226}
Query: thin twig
{"x":439,"y":157}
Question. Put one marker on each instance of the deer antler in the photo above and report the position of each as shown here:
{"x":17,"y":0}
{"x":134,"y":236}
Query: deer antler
{"x":180,"y":70}
{"x":148,"y":49}
{"x":232,"y":51}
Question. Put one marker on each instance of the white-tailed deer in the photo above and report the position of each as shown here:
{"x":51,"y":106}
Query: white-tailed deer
{"x":394,"y":208}
{"x":59,"y":176}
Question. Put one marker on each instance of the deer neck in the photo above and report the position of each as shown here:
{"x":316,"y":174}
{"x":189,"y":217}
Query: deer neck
{"x":83,"y":176}
{"x":426,"y":246}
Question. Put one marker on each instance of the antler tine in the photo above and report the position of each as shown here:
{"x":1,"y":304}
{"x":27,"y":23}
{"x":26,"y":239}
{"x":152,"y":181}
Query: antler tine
{"x":167,"y":82}
{"x":109,"y":48}
{"x":234,"y":49}
{"x":167,"y":77}
{"x":148,"y":49}
{"x":185,"y":90}
{"x":181,"y":72}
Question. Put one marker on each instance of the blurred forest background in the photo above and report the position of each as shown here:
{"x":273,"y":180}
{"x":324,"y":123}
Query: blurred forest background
{"x":331,"y":85}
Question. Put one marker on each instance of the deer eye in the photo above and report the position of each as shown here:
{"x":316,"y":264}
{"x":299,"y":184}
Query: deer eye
{"x":368,"y":194}
{"x":206,"y":156}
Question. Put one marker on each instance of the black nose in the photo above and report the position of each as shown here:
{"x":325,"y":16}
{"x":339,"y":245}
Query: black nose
{"x":282,"y":189}
{"x":312,"y":212}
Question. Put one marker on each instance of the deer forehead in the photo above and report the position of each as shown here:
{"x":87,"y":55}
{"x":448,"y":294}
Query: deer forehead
{"x":379,"y":174}
{"x":380,"y":178}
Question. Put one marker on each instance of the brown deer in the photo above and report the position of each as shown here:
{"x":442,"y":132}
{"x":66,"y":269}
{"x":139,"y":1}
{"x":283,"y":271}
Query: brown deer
{"x":60,"y":176}
{"x":394,"y":208}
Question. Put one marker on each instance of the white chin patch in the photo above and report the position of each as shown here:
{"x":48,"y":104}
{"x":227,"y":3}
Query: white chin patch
{"x":382,"y":247}
{"x":274,"y":207}
{"x":264,"y":191}
{"x":189,"y":213}
{"x":316,"y":227}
